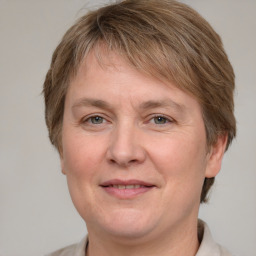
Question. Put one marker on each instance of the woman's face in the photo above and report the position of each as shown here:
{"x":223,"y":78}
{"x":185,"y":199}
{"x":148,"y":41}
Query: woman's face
{"x":134,"y":151}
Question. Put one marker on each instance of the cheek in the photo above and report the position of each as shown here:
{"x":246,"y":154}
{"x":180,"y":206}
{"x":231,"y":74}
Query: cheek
{"x":81,"y":154}
{"x":180,"y":159}
{"x":82,"y":158}
{"x":181,"y":163}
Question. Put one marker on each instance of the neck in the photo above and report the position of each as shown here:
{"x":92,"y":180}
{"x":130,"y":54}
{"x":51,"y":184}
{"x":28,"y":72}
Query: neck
{"x":181,"y":241}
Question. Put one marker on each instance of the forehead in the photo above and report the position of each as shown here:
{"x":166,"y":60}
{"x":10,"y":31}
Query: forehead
{"x":101,"y":61}
{"x":101,"y":55}
{"x":110,"y":75}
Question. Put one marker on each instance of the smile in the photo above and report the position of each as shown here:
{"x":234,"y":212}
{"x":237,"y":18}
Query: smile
{"x":126,"y":189}
{"x":127,"y":186}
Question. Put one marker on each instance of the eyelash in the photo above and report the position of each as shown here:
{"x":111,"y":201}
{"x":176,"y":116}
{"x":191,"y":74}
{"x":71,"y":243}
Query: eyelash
{"x":152,"y":118}
{"x":167,"y":119}
{"x":89,"y":120}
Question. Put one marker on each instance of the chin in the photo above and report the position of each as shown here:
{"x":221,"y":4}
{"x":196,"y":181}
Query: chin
{"x":126,"y":224}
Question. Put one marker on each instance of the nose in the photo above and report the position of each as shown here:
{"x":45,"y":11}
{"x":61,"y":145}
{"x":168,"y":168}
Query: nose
{"x":126,"y":146}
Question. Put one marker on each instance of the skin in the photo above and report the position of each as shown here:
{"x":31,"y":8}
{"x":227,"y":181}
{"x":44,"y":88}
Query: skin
{"x":121,"y":124}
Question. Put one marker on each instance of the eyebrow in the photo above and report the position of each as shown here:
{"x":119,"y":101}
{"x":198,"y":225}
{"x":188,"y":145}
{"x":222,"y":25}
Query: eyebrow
{"x":150,"y":104}
{"x":163,"y":103}
{"x":86,"y":102}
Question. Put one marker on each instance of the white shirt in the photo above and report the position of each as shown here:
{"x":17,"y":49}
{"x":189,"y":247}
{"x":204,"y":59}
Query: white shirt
{"x":208,"y":247}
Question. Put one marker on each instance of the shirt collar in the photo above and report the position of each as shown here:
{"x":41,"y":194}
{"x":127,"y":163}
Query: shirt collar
{"x":208,"y":246}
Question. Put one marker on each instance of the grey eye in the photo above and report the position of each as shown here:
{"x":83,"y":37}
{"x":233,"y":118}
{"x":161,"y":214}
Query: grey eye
{"x":160,"y":120}
{"x":96,"y":119}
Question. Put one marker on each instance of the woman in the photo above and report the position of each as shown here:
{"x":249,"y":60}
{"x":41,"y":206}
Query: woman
{"x":139,"y":104}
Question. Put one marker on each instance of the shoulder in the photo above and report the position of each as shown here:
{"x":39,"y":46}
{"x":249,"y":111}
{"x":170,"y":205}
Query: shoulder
{"x":71,"y":250}
{"x":208,"y":246}
{"x":66,"y":251}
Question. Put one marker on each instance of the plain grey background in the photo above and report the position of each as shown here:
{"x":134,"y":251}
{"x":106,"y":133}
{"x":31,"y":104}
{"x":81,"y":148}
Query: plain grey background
{"x":36,"y":213}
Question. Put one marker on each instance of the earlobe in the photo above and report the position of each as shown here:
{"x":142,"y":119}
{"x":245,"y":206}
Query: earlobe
{"x":61,"y":161}
{"x":62,"y":165}
{"x":215,"y":156}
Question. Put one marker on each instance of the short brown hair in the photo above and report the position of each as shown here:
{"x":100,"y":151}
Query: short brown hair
{"x":163,"y":38}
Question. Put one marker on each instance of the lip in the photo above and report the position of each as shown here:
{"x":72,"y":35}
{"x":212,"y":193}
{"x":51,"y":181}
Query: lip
{"x":111,"y":188}
{"x":125,"y":183}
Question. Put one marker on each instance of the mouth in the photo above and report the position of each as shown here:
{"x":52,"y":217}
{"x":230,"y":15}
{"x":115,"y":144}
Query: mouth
{"x":126,"y":189}
{"x":126,"y":186}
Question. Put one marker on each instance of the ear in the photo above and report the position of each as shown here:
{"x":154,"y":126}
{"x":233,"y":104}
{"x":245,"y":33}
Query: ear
{"x":215,"y":156}
{"x":60,"y":150}
{"x":62,"y":165}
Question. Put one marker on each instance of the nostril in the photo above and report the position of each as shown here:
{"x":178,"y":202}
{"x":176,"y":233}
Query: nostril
{"x":122,"y":163}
